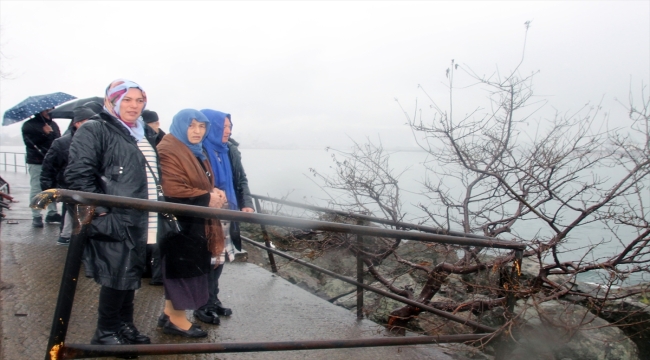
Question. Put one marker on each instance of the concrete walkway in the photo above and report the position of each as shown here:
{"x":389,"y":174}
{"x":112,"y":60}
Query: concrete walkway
{"x":266,"y":307}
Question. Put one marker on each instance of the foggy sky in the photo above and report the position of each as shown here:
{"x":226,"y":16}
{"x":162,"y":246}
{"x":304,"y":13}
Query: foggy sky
{"x":314,"y":74}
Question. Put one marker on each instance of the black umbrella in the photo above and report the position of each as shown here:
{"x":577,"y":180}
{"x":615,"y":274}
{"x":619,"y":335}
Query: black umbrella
{"x":65,"y":111}
{"x":34,"y":105}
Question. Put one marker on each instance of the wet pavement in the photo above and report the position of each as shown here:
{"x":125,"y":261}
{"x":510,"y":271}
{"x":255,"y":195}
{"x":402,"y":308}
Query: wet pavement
{"x":265,"y":307}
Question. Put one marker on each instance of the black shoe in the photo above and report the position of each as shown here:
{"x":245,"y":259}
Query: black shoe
{"x":222,"y":311}
{"x":163,"y":319}
{"x":63,"y":241}
{"x":103,"y":337}
{"x":208,"y":316}
{"x":131,"y":334}
{"x":155,"y":283}
{"x":55,"y":218}
{"x":37,"y":222}
{"x":193,"y":332}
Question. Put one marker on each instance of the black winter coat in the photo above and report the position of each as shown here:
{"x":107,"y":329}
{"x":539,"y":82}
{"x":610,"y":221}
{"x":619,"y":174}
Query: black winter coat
{"x":105,"y":159}
{"x":55,"y":162}
{"x":187,"y":254}
{"x":159,"y":136}
{"x":239,"y":178}
{"x":36,"y":141}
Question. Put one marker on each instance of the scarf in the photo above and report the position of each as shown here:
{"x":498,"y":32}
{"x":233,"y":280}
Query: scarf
{"x":183,"y":177}
{"x":218,"y":155}
{"x":181,"y":122}
{"x":113,"y":98}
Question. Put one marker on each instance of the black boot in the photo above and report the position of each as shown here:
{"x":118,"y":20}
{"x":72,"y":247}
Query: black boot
{"x":103,"y":337}
{"x":207,"y":315}
{"x":131,"y":334}
{"x":37,"y":222}
{"x":222,"y":311}
{"x":107,"y":337}
{"x":54,"y":218}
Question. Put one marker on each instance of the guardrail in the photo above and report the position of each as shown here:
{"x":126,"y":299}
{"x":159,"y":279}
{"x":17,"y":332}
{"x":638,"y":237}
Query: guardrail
{"x":4,"y":165}
{"x":83,"y":213}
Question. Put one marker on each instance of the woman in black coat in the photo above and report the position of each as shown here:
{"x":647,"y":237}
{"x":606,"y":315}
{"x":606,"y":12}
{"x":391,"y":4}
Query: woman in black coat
{"x":115,"y":155}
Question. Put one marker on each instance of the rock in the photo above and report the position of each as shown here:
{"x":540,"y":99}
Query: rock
{"x":335,"y":288}
{"x":633,"y":318}
{"x":562,"y":330}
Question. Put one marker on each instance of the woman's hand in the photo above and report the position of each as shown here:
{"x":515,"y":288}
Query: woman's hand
{"x":217,"y":198}
{"x":248,"y":210}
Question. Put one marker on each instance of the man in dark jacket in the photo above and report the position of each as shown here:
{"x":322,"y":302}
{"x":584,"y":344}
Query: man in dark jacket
{"x":55,"y":162}
{"x":239,"y":177}
{"x":38,"y":134}
{"x":151,"y":119}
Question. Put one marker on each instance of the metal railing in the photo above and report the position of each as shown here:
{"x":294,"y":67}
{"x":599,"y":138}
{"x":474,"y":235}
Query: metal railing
{"x":83,"y":213}
{"x":4,"y":165}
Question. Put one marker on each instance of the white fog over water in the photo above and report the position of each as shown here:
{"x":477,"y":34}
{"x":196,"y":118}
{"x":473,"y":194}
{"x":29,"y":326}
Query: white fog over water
{"x":278,"y":173}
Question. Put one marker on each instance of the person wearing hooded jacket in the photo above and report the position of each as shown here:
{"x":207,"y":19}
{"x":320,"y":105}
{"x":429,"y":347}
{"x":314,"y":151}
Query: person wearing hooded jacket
{"x":38,"y":134}
{"x":55,"y":162}
{"x":229,"y":176}
{"x":115,"y":155}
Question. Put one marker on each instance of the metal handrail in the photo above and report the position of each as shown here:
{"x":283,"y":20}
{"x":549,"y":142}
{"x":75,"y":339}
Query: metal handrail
{"x":83,"y":215}
{"x":76,"y":351}
{"x":401,"y":224}
{"x":15,"y":165}
{"x":80,"y":197}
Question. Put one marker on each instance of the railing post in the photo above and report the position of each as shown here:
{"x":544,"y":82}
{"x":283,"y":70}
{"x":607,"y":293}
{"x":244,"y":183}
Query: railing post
{"x":81,"y":216}
{"x":513,"y":283}
{"x":504,"y":340}
{"x":359,"y":277}
{"x":265,"y":235}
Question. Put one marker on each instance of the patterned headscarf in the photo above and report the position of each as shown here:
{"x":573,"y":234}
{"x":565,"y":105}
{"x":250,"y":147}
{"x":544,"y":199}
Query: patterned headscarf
{"x":115,"y":93}
{"x":181,"y":122}
{"x":113,"y":98}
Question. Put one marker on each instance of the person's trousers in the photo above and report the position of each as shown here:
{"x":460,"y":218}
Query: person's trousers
{"x":66,"y":231}
{"x":115,"y":307}
{"x":35,"y":188}
{"x":213,"y":286}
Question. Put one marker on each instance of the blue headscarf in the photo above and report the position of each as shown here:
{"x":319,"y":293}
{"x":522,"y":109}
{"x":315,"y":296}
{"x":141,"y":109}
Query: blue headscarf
{"x":218,"y":155}
{"x":181,"y":122}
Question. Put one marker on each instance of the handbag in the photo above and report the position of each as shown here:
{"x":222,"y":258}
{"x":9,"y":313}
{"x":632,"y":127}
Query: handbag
{"x":169,"y":225}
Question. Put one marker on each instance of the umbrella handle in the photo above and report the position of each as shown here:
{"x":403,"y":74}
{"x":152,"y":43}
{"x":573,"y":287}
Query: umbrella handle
{"x":35,"y":147}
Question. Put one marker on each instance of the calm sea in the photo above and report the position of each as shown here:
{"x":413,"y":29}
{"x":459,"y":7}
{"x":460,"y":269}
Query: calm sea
{"x":285,"y":173}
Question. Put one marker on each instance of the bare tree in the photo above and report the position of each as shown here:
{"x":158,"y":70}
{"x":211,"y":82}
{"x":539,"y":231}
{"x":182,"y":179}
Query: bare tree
{"x":491,"y":175}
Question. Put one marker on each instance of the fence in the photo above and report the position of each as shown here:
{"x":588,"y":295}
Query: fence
{"x":13,"y":160}
{"x":83,"y":213}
